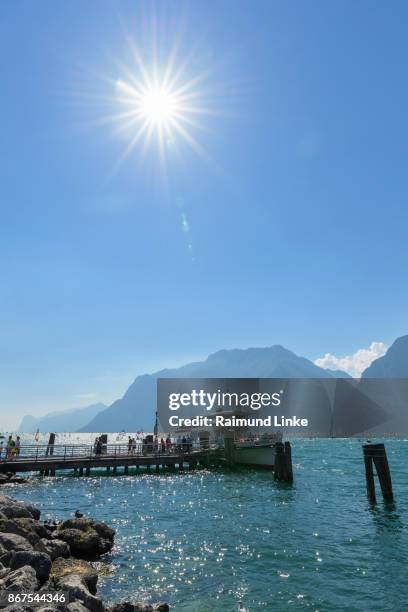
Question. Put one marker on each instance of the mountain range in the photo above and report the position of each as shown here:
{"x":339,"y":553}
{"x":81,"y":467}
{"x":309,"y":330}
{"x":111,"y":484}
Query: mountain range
{"x":135,"y":410}
{"x":62,"y":421}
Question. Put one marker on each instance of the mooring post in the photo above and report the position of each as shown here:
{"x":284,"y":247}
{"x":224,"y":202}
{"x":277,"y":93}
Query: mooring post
{"x":126,"y":470}
{"x":108,"y":468}
{"x":115,"y":469}
{"x":279,"y":465}
{"x":375,"y":453}
{"x":81,"y":471}
{"x":368,"y":464}
{"x":88,"y":471}
{"x":288,"y":475}
{"x":50,"y":446}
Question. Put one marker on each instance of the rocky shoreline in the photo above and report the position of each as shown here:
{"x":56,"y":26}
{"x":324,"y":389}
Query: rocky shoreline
{"x":41,"y":557}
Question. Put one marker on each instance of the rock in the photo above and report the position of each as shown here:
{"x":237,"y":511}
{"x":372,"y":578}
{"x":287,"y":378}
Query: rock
{"x":11,"y":478}
{"x":33,"y":526}
{"x":20,"y":608}
{"x":78,"y":514}
{"x":3,"y":570}
{"x":84,"y":545}
{"x":87,"y":539}
{"x":53,"y":548}
{"x":26,"y":527}
{"x":17,"y":509}
{"x":12,"y":541}
{"x":126,"y":606}
{"x":77,"y":588}
{"x":68,"y":567}
{"x":76,"y":606}
{"x":23,"y":580}
{"x":37,"y":560}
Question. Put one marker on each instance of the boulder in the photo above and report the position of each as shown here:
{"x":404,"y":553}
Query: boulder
{"x":39,"y":561}
{"x":33,"y":526}
{"x":76,"y":606}
{"x":17,"y":509}
{"x":87,"y":539}
{"x":126,"y":606}
{"x":53,"y":548}
{"x":20,"y":608}
{"x":26,"y":527}
{"x":15,"y":542}
{"x":77,"y":588}
{"x":68,"y":567}
{"x":4,"y":570}
{"x":23,"y":580}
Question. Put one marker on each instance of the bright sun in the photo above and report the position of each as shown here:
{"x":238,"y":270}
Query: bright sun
{"x":157,"y":102}
{"x":158,"y":105}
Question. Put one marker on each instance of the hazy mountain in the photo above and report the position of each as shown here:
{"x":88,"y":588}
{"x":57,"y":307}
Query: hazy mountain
{"x":394,"y":364}
{"x":135,"y":410}
{"x":63,"y":421}
{"x":338,"y":373}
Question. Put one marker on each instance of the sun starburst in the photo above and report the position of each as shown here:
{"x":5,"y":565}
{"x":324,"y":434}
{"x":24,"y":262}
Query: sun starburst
{"x":158,"y":104}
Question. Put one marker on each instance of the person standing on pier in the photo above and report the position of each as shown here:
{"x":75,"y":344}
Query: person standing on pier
{"x":10,"y":447}
{"x":18,"y":445}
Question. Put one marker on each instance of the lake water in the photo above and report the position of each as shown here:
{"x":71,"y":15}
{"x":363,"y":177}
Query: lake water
{"x":206,"y":540}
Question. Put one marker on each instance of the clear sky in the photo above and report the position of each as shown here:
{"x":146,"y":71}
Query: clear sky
{"x":291,"y":229}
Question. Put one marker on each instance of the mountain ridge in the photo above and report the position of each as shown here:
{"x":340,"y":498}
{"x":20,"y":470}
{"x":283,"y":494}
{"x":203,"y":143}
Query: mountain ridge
{"x":135,"y":410}
{"x":61,"y":421}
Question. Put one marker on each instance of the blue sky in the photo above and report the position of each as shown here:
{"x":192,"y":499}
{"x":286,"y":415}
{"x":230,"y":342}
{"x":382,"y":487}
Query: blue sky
{"x":297,"y":220}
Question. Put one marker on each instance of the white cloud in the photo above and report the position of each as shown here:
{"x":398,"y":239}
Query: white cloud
{"x":356,"y":363}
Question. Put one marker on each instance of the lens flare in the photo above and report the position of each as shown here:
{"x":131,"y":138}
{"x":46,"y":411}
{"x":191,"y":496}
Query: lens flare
{"x":158,"y":102}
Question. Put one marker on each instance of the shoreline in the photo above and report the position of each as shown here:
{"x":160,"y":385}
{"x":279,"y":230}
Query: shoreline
{"x":52,"y":562}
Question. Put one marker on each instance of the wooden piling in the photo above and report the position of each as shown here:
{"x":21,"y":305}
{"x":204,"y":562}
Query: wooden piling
{"x":50,"y":447}
{"x":368,"y":464}
{"x":375,"y":453}
{"x":288,"y":462}
{"x":81,"y":471}
{"x":88,"y":471}
{"x":126,"y":470}
{"x":279,"y":465}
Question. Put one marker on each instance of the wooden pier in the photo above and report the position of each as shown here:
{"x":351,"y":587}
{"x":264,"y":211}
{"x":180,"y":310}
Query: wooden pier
{"x":81,"y":459}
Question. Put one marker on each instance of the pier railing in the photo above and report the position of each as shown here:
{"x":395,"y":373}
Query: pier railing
{"x":67,"y":452}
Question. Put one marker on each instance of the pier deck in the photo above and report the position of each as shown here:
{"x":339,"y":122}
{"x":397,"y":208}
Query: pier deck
{"x":47,"y":459}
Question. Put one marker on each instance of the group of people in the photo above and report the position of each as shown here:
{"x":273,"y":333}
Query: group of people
{"x":163,"y":446}
{"x":98,"y":446}
{"x":12,"y":448}
{"x":131,"y":446}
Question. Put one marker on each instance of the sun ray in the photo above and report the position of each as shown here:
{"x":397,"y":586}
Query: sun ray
{"x":160,"y":101}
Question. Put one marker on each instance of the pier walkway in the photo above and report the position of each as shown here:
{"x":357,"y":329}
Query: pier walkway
{"x":48,"y":459}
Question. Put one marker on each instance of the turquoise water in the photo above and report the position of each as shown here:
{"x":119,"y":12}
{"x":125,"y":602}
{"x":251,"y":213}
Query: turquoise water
{"x":205,"y":541}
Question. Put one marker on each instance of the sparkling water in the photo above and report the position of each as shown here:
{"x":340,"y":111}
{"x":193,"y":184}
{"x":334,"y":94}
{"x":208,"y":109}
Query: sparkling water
{"x":207,"y":540}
